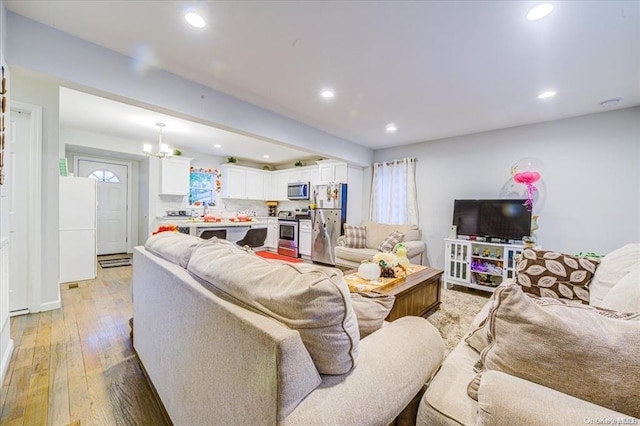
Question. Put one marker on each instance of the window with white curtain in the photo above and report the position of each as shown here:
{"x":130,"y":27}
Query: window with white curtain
{"x":394,"y":197}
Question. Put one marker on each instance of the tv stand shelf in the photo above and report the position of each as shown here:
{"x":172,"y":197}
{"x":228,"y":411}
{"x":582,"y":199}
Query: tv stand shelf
{"x":480,"y":265}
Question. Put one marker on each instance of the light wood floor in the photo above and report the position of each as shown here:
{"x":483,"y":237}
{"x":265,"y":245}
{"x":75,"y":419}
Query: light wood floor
{"x":76,"y":365}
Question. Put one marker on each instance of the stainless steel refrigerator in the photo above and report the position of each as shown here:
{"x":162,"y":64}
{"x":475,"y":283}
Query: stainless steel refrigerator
{"x":328,"y":216}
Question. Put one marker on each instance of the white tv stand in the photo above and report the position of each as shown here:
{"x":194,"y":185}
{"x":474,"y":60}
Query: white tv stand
{"x":479,"y":264}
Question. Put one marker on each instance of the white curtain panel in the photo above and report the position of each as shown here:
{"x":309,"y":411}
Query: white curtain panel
{"x":394,"y":197}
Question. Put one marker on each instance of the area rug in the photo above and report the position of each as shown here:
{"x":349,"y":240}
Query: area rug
{"x":458,"y":308}
{"x":113,"y":261}
{"x":271,"y":255}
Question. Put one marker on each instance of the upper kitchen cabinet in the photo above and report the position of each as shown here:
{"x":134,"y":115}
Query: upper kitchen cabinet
{"x":254,"y":185}
{"x":242,"y":183}
{"x":332,"y":172}
{"x":174,"y":176}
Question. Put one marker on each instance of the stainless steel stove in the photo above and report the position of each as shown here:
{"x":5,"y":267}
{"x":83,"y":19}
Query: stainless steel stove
{"x":288,"y":231}
{"x":287,"y":234}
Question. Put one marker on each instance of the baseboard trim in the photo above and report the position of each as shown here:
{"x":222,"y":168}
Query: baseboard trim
{"x":6,"y":358}
{"x":49,"y":306}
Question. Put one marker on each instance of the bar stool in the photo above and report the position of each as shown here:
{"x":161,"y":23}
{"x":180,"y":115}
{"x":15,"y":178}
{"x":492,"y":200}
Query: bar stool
{"x":209,"y":233}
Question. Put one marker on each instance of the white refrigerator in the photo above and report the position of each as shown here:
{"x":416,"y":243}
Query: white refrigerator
{"x":78,"y":229}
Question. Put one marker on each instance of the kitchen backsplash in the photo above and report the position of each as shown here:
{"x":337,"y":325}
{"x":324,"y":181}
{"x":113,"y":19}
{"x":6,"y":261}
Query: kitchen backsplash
{"x":229,"y":205}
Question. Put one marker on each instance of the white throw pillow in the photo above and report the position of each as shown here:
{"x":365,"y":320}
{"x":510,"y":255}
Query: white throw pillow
{"x":613,"y":267}
{"x":625,"y":296}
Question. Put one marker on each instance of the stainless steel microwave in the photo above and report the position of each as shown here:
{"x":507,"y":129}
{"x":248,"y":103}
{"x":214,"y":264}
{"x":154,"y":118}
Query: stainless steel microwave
{"x":298,"y":191}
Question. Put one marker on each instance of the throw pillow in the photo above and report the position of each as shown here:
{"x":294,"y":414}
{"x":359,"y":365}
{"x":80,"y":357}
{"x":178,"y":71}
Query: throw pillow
{"x":371,"y":309}
{"x":478,"y":336}
{"x":625,"y":296}
{"x":173,"y":246}
{"x":389,"y":243}
{"x":553,"y":274}
{"x":355,"y":236}
{"x":313,"y":300}
{"x":567,"y":347}
{"x":613,"y":267}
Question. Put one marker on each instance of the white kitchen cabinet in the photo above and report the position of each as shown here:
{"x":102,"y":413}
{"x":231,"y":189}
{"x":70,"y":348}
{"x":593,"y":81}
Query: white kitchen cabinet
{"x":280,"y":181}
{"x":242,"y":183}
{"x":174,"y":176}
{"x":267,"y":184}
{"x":254,"y":185}
{"x":314,"y":176}
{"x":272,"y":233}
{"x":304,"y":237}
{"x":300,"y":174}
{"x":332,"y":172}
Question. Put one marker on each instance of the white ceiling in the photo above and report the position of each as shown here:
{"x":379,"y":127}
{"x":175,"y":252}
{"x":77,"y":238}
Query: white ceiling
{"x":434,"y":68}
{"x":91,"y":113}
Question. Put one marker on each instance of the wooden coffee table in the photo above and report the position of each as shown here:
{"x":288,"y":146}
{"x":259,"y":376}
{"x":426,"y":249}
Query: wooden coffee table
{"x":418,"y":294}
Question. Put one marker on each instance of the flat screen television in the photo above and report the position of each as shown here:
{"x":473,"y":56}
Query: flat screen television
{"x":503,"y":219}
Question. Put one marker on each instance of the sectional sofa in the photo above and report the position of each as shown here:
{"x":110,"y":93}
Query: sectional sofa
{"x":229,"y":338}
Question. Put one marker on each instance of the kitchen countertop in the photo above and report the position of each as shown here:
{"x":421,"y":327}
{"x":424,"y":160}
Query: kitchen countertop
{"x":185,"y":222}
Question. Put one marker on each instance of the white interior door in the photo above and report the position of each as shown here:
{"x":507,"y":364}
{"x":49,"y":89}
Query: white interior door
{"x":112,"y":203}
{"x":18,"y":231}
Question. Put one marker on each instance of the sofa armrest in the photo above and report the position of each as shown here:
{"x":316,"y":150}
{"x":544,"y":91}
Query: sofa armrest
{"x":414,"y":247}
{"x":508,"y":400}
{"x":394,"y":364}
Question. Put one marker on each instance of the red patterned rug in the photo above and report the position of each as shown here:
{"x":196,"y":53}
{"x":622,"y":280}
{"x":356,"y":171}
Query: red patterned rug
{"x":276,"y":256}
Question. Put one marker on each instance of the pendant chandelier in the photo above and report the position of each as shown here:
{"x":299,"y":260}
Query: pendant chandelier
{"x":163,"y":149}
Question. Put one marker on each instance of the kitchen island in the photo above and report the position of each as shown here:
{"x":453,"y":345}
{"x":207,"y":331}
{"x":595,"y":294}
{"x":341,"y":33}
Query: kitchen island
{"x":235,"y":230}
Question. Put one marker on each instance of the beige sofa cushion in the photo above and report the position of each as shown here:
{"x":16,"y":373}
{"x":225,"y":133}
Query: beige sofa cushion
{"x":566,"y":347}
{"x":173,"y":246}
{"x":505,"y":400}
{"x":371,"y":309}
{"x":445,"y":401}
{"x":377,"y":232}
{"x":311,"y":299}
{"x":613,"y":267}
{"x":355,"y":255}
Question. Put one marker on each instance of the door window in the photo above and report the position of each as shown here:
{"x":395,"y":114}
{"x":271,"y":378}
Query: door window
{"x":104,"y":176}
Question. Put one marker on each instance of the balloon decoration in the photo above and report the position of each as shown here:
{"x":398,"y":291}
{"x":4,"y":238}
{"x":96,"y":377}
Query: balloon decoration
{"x":526,"y":172}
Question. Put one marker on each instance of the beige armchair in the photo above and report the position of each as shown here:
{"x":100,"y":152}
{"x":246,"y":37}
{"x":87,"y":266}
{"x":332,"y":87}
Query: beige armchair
{"x":375,"y":234}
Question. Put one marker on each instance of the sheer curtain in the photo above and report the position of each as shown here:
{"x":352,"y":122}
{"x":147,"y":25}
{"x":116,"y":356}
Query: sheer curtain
{"x":394,"y":197}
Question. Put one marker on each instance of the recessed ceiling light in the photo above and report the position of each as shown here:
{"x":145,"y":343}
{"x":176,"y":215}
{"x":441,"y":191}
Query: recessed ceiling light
{"x":217,"y":145}
{"x":327,"y":94}
{"x":540,"y":11}
{"x":265,"y":156}
{"x":194,"y":20}
{"x":547,"y":94}
{"x":391,"y":128}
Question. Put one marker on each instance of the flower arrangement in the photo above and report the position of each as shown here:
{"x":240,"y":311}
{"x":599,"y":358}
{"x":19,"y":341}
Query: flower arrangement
{"x":389,"y":265}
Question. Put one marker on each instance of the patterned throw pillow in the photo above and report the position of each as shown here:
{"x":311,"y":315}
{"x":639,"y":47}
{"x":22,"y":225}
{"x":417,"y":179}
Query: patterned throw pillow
{"x":557,"y":275}
{"x":390,"y":242}
{"x":355,"y":236}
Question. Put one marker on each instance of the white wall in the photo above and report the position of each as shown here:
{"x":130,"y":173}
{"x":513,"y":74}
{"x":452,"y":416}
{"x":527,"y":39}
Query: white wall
{"x":6,"y":344}
{"x":86,"y":66}
{"x":591,"y":171}
{"x":26,"y":87}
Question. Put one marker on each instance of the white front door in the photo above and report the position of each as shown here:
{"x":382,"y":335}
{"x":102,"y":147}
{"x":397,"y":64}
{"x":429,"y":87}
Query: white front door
{"x":18,"y":232}
{"x":112,"y":203}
